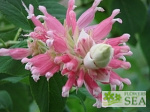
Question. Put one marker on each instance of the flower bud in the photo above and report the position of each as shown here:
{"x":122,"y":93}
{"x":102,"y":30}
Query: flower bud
{"x":99,"y":56}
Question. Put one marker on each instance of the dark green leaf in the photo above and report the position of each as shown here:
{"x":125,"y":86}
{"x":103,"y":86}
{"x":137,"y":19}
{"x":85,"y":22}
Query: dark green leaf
{"x":9,"y":35}
{"x":54,"y":9}
{"x":133,"y":14}
{"x":12,"y":79}
{"x":84,"y":91}
{"x":12,"y":67}
{"x":19,"y":95}
{"x":145,"y":39}
{"x":5,"y":101}
{"x":80,"y":96}
{"x":13,"y":12}
{"x":74,"y":104}
{"x":48,"y":94}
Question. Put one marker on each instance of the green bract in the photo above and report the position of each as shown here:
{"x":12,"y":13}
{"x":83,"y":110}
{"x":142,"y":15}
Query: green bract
{"x":101,"y":54}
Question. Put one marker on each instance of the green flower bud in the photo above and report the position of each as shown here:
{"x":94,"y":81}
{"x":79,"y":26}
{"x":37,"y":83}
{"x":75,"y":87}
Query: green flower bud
{"x":99,"y":56}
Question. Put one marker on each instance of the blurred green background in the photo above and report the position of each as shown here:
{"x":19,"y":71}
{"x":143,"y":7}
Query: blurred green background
{"x":15,"y":82}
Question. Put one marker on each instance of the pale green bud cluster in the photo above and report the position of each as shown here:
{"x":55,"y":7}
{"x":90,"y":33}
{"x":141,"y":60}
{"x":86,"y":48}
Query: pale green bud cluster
{"x":37,"y":47}
{"x":99,"y":56}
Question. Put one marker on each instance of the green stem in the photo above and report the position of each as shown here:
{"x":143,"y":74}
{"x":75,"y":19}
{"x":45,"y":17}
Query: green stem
{"x":17,"y":34}
{"x":3,"y":43}
{"x":8,"y":43}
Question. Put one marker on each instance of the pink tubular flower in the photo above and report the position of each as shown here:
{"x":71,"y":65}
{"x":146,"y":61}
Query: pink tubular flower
{"x":41,"y":64}
{"x":16,"y":53}
{"x":82,"y":53}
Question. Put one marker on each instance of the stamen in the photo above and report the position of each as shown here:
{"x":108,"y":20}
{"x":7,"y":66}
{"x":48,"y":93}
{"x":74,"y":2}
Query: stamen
{"x":125,"y":38}
{"x":36,"y":77}
{"x":99,"y":9}
{"x":126,"y":65}
{"x":43,"y":10}
{"x":74,"y":6}
{"x":123,"y":58}
{"x":117,"y":19}
{"x":28,"y":66}
{"x":115,"y":13}
{"x":121,"y":86}
{"x":113,"y":87}
{"x":65,"y":93}
{"x":25,"y":60}
{"x":126,"y":81}
{"x":48,"y":75}
{"x":30,"y":10}
{"x":40,"y":16}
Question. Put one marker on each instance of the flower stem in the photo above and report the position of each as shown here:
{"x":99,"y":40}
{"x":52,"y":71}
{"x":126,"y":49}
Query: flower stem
{"x":17,"y":34}
{"x":2,"y":43}
{"x":8,"y":43}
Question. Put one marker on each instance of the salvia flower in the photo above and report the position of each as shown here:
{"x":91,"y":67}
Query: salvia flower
{"x":81,"y":52}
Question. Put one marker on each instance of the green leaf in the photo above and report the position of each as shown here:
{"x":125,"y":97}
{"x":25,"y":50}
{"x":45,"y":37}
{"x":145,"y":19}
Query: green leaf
{"x":12,"y":67}
{"x":79,"y":95}
{"x":133,"y":14}
{"x":9,"y":35}
{"x":145,"y":39}
{"x":5,"y":23}
{"x":19,"y":95}
{"x":48,"y":93}
{"x":54,"y":9}
{"x":34,"y":107}
{"x":14,"y":79}
{"x":13,"y":12}
{"x":5,"y":101}
{"x":84,"y":91}
{"x":74,"y":105}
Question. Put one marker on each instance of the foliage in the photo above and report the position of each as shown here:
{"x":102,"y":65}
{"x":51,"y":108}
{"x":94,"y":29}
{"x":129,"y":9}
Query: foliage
{"x":18,"y":92}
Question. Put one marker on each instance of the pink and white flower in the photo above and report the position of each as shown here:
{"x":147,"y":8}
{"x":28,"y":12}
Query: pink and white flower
{"x":81,"y":52}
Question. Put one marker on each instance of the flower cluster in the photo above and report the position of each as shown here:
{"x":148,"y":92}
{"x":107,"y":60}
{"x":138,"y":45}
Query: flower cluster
{"x":81,"y":52}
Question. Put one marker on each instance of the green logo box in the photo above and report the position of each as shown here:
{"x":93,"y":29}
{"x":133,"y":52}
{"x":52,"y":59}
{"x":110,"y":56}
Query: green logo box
{"x":123,"y":98}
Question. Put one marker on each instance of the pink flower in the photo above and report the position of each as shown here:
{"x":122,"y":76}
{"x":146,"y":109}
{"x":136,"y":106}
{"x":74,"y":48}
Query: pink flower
{"x":16,"y":53}
{"x":40,"y":65}
{"x":81,"y":52}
